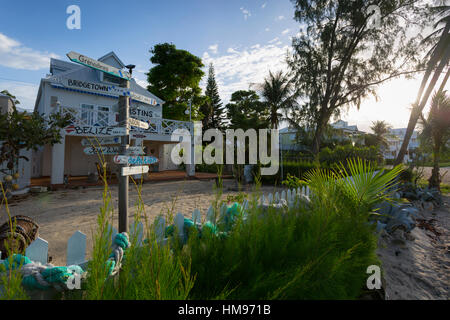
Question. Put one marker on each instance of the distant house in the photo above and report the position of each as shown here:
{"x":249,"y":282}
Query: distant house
{"x":23,"y":167}
{"x":91,"y":97}
{"x":395,"y":139}
{"x":288,"y":136}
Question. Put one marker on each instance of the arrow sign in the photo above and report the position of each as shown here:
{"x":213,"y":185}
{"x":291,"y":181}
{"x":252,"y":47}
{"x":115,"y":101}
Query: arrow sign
{"x":102,"y":150}
{"x":135,"y":151}
{"x":138,"y":123}
{"x":92,"y":63}
{"x":128,"y":171}
{"x":100,"y":141}
{"x":135,"y":160}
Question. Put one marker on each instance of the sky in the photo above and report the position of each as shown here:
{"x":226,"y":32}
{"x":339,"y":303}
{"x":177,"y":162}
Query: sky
{"x":243,"y":39}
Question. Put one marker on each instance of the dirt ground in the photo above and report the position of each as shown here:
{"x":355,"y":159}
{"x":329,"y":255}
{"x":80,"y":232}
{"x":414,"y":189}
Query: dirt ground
{"x":444,"y":172}
{"x":61,"y":213}
{"x":417,"y":265}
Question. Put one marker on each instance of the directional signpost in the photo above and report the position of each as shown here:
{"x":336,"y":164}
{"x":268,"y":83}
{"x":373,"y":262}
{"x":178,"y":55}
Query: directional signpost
{"x":135,"y":160}
{"x":92,"y":63}
{"x":138,"y":123}
{"x":129,"y":171}
{"x":100,"y":141}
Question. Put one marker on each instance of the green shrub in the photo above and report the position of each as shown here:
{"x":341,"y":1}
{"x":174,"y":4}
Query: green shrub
{"x":316,"y":250}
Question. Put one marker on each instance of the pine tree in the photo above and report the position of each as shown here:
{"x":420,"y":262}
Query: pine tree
{"x":212,"y":109}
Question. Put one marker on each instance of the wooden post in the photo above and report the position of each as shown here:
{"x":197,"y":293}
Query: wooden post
{"x":124,"y":110}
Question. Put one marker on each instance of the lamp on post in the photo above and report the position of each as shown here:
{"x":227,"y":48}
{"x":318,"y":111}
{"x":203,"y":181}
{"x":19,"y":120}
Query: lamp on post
{"x":190,"y":111}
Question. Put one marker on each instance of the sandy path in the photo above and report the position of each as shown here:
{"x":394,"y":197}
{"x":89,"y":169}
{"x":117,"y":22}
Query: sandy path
{"x":444,"y":172}
{"x":417,"y":266}
{"x":61,"y":213}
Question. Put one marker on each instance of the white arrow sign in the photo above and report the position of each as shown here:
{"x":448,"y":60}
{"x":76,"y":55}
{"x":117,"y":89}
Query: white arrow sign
{"x":75,"y":130}
{"x":135,"y":151}
{"x":135,"y":160}
{"x":128,"y":171}
{"x":100,"y":141}
{"x":102,"y":150}
{"x":137,"y":123}
{"x":92,"y":63}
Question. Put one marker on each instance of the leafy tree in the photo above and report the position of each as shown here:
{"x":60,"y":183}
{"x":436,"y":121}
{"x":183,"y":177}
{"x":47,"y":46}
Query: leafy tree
{"x":175,"y":79}
{"x":439,"y":57}
{"x":380,"y":130}
{"x":246,"y":111}
{"x":341,"y":57}
{"x":212,"y":109}
{"x":19,"y":130}
{"x":14,"y":99}
{"x":436,"y":131}
{"x":278,"y":93}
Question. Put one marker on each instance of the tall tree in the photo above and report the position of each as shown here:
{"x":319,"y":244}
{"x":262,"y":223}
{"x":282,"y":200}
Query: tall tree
{"x":175,"y":78}
{"x":343,"y":55}
{"x":380,"y":130}
{"x":278,"y":93}
{"x":246,"y":111}
{"x":439,"y":57}
{"x":436,"y":131}
{"x":214,"y":113}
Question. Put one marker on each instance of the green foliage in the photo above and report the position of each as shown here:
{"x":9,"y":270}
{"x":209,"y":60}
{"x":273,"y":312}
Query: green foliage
{"x":342,"y":153}
{"x":380,"y":130}
{"x":212,"y":108}
{"x":292,"y":182}
{"x":175,"y":78}
{"x":316,"y":250}
{"x":279,"y":96}
{"x":245,"y":111}
{"x":19,"y":130}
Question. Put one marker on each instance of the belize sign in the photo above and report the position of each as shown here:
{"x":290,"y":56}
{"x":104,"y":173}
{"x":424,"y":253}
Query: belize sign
{"x":89,"y":62}
{"x":100,"y":141}
{"x":74,"y":130}
{"x":135,"y":160}
{"x":128,"y":171}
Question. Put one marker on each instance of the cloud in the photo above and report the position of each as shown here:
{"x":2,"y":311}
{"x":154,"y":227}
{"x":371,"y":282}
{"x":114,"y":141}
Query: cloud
{"x":142,"y":83}
{"x":273,"y":40}
{"x":267,"y":29}
{"x":240,"y":69}
{"x":213,"y":48}
{"x":264,"y":5}
{"x":246,"y":13}
{"x":279,"y":18}
{"x":24,"y":92}
{"x":15,"y":55}
{"x":285,"y":31}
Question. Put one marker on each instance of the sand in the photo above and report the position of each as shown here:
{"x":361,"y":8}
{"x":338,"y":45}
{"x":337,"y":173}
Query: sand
{"x":417,"y":265}
{"x":61,"y":213}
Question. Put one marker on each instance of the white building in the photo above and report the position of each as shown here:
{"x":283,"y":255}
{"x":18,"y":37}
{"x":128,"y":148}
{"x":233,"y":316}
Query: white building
{"x":395,"y":139}
{"x":90,"y":97}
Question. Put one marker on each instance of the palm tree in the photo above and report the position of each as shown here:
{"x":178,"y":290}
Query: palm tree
{"x":439,"y":58}
{"x":380,"y":130}
{"x":436,"y":130}
{"x":278,"y":93}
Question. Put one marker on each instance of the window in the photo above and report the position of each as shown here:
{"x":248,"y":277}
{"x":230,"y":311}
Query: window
{"x":87,"y":114}
{"x":103,"y":116}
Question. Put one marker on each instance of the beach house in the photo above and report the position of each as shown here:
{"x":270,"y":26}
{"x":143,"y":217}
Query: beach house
{"x":91,"y":98}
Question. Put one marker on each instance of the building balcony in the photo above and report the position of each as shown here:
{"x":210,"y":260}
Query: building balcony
{"x":159,"y":128}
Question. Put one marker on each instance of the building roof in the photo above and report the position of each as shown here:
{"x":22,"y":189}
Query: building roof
{"x":60,"y":68}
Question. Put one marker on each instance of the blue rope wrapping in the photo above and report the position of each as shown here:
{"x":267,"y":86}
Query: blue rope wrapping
{"x":43,"y":277}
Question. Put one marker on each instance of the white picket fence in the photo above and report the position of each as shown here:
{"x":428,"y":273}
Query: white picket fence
{"x":76,"y":245}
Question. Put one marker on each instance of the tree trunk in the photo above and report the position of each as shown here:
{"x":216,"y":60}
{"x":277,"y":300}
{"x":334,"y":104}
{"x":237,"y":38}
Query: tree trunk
{"x":322,"y":121}
{"x":434,"y":181}
{"x":417,"y":109}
